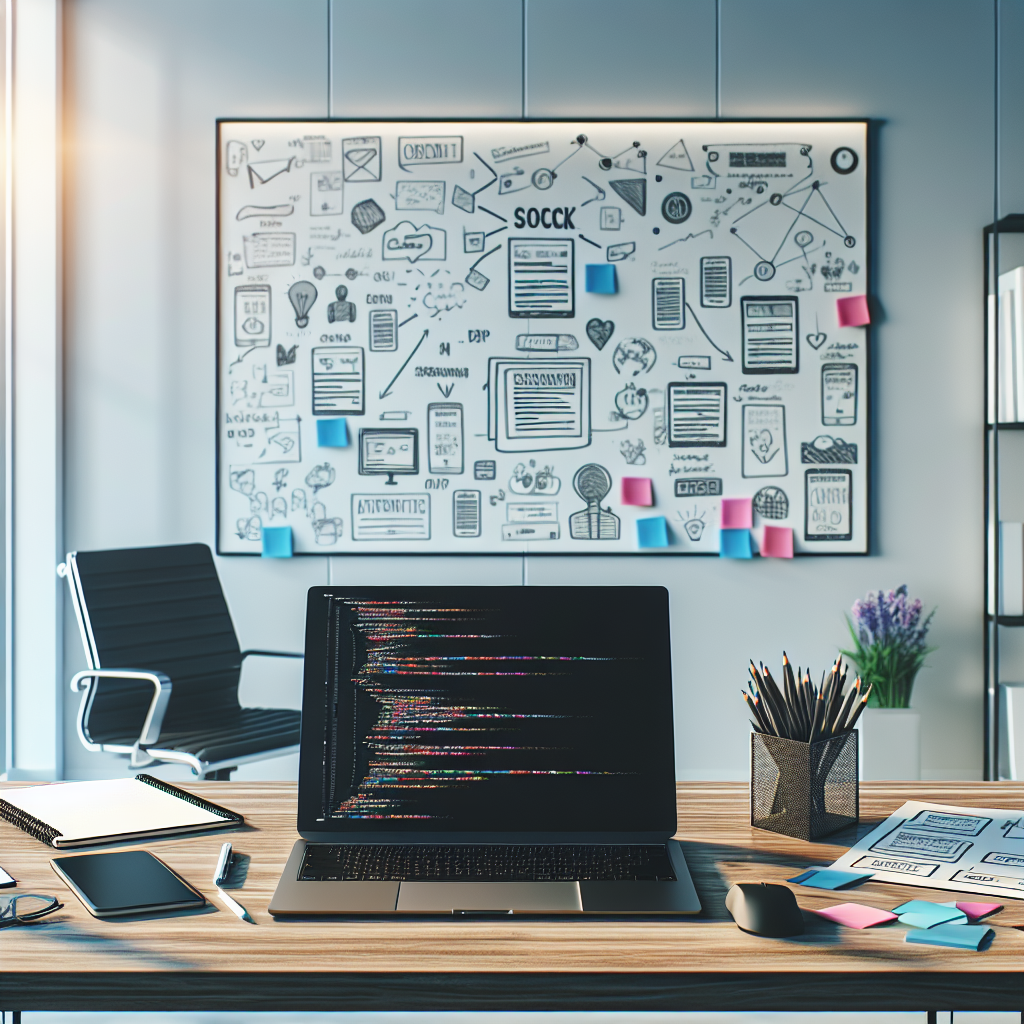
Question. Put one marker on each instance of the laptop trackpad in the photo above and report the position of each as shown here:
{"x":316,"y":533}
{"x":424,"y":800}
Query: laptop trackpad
{"x":489,"y":897}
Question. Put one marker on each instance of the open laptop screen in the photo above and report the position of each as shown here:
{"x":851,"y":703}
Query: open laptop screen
{"x":479,"y":709}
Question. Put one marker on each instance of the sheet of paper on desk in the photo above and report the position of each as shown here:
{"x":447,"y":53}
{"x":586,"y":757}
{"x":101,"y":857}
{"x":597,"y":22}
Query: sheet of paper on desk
{"x":966,"y":849}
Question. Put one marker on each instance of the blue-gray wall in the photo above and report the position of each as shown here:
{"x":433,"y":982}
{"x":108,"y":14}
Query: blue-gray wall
{"x":147,"y":78}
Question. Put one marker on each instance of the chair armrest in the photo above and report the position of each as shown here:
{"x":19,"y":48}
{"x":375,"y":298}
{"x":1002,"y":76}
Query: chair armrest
{"x":158,"y":705}
{"x":272,"y":654}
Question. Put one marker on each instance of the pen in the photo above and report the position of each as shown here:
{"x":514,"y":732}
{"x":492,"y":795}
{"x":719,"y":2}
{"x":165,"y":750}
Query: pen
{"x":223,"y":864}
{"x":220,"y":875}
{"x":236,"y":908}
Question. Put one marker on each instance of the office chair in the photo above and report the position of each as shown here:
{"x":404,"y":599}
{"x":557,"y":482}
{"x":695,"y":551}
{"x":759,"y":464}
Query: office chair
{"x":164,"y":663}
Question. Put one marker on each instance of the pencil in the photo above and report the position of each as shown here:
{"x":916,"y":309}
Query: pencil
{"x":860,"y":707}
{"x":777,"y":701}
{"x":762,"y":726}
{"x":844,"y":712}
{"x":819,"y":713}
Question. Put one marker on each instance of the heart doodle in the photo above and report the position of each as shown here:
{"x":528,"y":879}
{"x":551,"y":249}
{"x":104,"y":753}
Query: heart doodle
{"x":257,"y":144}
{"x":599,"y":331}
{"x":816,"y":340}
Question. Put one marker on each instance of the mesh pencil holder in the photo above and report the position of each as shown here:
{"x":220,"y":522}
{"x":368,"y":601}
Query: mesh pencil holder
{"x":803,"y":790}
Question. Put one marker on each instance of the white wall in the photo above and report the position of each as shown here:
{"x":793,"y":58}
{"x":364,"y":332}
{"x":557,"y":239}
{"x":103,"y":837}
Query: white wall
{"x":147,"y":78}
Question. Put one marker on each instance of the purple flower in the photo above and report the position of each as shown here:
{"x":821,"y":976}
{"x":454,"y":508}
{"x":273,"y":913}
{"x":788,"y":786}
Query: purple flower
{"x":891,"y":619}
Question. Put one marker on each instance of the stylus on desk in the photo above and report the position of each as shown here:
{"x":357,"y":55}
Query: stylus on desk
{"x":219,"y":876}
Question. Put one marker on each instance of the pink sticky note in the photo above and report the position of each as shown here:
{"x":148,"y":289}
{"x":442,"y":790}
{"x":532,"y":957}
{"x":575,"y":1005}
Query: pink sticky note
{"x":777,"y":542}
{"x":856,"y":915}
{"x":737,"y":513}
{"x":853,"y":311}
{"x":636,"y":490}
{"x":976,"y":911}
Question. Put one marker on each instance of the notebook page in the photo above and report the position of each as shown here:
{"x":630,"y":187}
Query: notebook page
{"x":111,"y":807}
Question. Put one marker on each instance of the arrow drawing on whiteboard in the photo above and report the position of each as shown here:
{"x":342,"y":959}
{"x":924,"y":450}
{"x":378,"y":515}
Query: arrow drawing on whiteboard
{"x":387,"y":390}
{"x":447,"y":389}
{"x":725,"y":355}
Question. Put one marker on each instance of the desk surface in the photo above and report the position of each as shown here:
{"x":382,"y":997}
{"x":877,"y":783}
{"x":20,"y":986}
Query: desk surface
{"x":211,"y":960}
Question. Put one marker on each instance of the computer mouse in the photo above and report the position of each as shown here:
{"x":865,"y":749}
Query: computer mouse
{"x":763,"y":909}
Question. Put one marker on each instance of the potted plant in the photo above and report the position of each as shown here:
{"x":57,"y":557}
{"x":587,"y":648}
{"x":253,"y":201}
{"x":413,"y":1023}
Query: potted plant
{"x":889,"y":649}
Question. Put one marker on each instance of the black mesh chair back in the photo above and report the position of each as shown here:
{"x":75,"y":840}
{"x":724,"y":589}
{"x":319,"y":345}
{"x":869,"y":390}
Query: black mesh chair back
{"x":162,"y":610}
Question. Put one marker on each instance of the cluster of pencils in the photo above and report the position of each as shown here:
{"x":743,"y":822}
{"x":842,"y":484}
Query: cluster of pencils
{"x":800,"y":711}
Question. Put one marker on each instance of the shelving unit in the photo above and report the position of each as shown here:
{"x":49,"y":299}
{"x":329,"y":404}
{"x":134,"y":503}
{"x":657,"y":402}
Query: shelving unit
{"x":1003,"y":483}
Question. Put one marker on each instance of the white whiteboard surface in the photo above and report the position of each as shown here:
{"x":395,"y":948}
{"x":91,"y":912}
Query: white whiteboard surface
{"x":428,"y":282}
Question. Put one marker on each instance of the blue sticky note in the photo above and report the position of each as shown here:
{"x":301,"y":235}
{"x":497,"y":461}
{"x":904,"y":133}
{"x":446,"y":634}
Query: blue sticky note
{"x":277,"y":542}
{"x":801,"y":878}
{"x":734,"y":544}
{"x":924,"y":914}
{"x":332,"y":432}
{"x":601,"y":279}
{"x":959,"y":936}
{"x":652,"y":533}
{"x":830,"y":878}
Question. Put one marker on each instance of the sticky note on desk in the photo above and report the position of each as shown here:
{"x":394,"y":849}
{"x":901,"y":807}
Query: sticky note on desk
{"x":959,"y":936}
{"x":777,"y":542}
{"x":637,"y":490}
{"x":652,"y":533}
{"x":924,"y":914}
{"x":852,"y":311}
{"x":332,"y":432}
{"x":601,"y":279}
{"x":734,"y":544}
{"x":737,"y":513}
{"x":856,"y":915}
{"x":975,"y":911}
{"x":277,"y":541}
{"x":830,"y":878}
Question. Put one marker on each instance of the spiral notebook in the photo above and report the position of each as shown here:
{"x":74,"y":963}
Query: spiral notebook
{"x":67,"y":814}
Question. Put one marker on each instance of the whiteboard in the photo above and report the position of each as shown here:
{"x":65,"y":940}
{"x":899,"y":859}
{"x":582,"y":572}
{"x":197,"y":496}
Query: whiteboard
{"x":469,"y":337}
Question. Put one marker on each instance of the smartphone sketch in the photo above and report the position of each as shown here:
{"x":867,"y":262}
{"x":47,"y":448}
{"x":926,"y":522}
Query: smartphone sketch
{"x":668,"y":302}
{"x":383,"y":330}
{"x":839,"y":394}
{"x":716,"y":281}
{"x":252,"y":315}
{"x":466,"y":513}
{"x":444,"y":437}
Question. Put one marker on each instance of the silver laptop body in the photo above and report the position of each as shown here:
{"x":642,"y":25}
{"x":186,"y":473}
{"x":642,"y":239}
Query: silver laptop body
{"x":479,"y":751}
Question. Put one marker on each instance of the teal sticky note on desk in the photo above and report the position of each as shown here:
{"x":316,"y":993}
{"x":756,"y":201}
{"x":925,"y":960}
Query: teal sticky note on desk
{"x":277,"y":541}
{"x":924,"y":914}
{"x":830,"y":878}
{"x":332,"y":432}
{"x":601,"y":279}
{"x":959,"y":936}
{"x":734,"y":544}
{"x":652,"y":532}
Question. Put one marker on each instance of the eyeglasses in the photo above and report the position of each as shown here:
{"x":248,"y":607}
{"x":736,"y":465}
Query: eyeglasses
{"x":26,"y":906}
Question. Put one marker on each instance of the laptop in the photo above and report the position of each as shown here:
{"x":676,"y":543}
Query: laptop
{"x":478,"y":751}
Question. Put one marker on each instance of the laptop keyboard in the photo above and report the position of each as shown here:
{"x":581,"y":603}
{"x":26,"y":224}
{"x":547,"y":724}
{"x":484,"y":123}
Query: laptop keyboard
{"x":327,"y":863}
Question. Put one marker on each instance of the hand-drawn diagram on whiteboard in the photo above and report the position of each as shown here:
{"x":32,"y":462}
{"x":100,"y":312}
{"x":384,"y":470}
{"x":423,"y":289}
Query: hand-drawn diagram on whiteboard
{"x":461,"y":337}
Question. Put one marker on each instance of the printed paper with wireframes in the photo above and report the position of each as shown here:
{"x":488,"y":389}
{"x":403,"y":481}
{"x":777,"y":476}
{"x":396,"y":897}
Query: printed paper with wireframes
{"x":967,"y":849}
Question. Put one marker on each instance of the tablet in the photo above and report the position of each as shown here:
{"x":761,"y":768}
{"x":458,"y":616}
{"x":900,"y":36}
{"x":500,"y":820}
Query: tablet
{"x":125,"y":882}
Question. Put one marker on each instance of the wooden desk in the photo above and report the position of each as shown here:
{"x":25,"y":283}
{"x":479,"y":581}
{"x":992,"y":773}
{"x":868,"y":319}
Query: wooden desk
{"x":211,"y":960}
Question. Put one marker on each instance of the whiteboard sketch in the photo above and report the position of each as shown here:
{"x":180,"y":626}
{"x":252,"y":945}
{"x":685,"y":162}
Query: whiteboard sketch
{"x":462,"y":337}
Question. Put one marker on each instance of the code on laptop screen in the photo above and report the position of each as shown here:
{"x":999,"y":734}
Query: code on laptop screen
{"x":495,"y":709}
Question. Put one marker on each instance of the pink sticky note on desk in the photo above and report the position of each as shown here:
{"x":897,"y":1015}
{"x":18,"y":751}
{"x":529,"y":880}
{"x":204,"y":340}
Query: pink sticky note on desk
{"x":853,"y":311}
{"x":777,"y":542}
{"x":737,"y":513}
{"x":856,"y":915}
{"x":637,"y":490}
{"x":976,"y":911}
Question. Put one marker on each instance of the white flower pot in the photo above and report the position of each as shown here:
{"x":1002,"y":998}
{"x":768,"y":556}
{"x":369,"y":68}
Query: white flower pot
{"x":890,"y":744}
